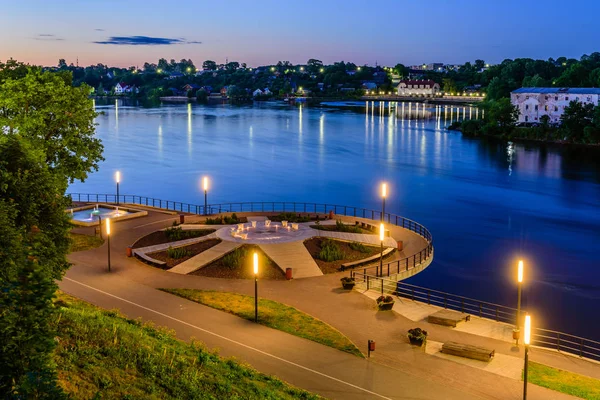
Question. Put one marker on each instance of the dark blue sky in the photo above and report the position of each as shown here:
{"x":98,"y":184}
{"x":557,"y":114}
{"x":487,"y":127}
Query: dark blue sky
{"x":264,"y":31}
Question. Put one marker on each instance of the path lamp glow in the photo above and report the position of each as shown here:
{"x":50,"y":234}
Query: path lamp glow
{"x":255,"y":287}
{"x":205,"y":187}
{"x":526,"y":340}
{"x":520,"y":284}
{"x":381,"y":237}
{"x":383,"y":196}
{"x":118,"y":179}
{"x":108,"y":240}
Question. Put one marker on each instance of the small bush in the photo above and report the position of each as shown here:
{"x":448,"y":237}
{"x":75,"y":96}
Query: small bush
{"x":356,"y":246}
{"x":176,"y":233}
{"x":235,"y":258}
{"x":385,"y":299}
{"x":417,"y":335}
{"x":341,"y":227}
{"x":214,"y":221}
{"x":223,"y":220}
{"x":330,"y":251}
{"x":232,"y":220}
{"x":347,"y":279}
{"x":291,"y":217}
{"x":178,"y":252}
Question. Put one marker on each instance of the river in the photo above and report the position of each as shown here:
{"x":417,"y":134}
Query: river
{"x":487,"y":203}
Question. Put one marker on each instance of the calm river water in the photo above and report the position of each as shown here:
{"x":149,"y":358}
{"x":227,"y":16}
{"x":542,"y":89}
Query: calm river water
{"x":486,"y":203}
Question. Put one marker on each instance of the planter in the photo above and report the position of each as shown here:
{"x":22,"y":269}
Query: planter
{"x":417,"y":342}
{"x":385,"y":306}
{"x":348,"y":286}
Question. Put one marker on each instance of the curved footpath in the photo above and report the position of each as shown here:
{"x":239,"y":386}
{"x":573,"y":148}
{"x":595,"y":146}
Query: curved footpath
{"x":396,"y":370}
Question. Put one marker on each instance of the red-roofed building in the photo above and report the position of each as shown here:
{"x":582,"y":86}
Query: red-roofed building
{"x":419,"y":88}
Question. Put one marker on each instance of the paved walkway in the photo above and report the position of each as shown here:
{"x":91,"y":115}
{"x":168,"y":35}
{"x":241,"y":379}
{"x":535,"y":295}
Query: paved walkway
{"x":293,"y":255}
{"x":204,"y":258}
{"x":396,"y":370}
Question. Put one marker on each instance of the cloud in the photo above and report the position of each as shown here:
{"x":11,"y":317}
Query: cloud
{"x":99,"y":30}
{"x":47,"y":36}
{"x":144,"y":41}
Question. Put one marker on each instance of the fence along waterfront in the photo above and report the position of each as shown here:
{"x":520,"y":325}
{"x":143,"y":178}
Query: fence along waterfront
{"x":545,"y":338}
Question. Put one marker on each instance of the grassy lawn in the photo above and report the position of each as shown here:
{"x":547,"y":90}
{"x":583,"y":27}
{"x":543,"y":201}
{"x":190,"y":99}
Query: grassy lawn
{"x":81,"y":242}
{"x":564,"y":381}
{"x":272,"y":314}
{"x":101,"y":354}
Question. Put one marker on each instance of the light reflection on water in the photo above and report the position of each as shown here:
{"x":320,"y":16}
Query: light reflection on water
{"x":484,"y":203}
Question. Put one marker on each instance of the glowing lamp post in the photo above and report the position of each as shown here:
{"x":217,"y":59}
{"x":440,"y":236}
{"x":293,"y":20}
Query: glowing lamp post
{"x":255,"y":287}
{"x":383,"y":196}
{"x":381,"y":237}
{"x":526,"y":340}
{"x":205,"y":187}
{"x":520,"y":284}
{"x":118,"y":179}
{"x":108,"y":240}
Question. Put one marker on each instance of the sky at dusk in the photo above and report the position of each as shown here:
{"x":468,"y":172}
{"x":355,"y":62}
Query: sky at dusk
{"x":261,"y":32}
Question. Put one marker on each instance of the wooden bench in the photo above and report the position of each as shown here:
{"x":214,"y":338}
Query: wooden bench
{"x":353,"y":264}
{"x":448,"y":318}
{"x":468,"y":351}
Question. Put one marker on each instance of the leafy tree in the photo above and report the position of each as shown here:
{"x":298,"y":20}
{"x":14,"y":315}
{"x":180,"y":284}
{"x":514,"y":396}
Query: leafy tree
{"x":209,"y":65}
{"x":500,"y":114}
{"x":449,"y":86}
{"x":62,"y":64}
{"x":232,"y":66}
{"x":498,"y":89}
{"x":313,"y":65}
{"x":202,"y":96}
{"x":575,"y":119}
{"x":56,"y":117}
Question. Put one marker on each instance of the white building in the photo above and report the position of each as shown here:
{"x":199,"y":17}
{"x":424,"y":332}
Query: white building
{"x":419,"y":88}
{"x":121,"y":88}
{"x":257,"y":92}
{"x":533,"y":103}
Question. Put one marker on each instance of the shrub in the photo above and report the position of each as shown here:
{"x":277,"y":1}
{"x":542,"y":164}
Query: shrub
{"x":417,"y":335}
{"x":356,"y":246}
{"x":178,"y":252}
{"x":341,"y":227}
{"x":214,"y":221}
{"x":330,"y":251}
{"x":291,"y":217}
{"x":385,"y":299}
{"x":232,"y":220}
{"x":174,"y":233}
{"x":235,"y":258}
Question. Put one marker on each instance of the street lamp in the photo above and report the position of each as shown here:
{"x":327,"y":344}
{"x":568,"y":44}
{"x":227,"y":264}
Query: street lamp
{"x":108,"y":240}
{"x":520,"y":284}
{"x":383,"y":196}
{"x":255,"y":287}
{"x":205,"y":187}
{"x":526,"y":340}
{"x":381,"y":237}
{"x":118,"y":179}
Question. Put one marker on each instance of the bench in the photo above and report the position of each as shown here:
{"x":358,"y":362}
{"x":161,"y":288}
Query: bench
{"x":448,"y":318}
{"x":366,"y":260}
{"x":468,"y":351}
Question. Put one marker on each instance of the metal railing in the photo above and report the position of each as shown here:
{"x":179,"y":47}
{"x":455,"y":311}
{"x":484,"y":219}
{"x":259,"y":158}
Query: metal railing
{"x":544,"y":338}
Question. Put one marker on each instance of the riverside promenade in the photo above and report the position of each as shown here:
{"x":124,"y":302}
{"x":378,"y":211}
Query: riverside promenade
{"x":396,"y":370}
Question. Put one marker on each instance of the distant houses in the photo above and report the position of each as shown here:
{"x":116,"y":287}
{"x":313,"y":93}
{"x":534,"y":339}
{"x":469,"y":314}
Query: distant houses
{"x":123,"y":88}
{"x":259,"y":92}
{"x":534,"y":103}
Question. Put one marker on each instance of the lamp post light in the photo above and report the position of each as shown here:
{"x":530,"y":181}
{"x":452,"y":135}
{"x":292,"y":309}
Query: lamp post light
{"x":526,"y":340}
{"x":108,"y":240}
{"x":383,"y":196}
{"x":520,"y":284}
{"x":118,"y":179}
{"x":255,"y":287}
{"x":205,"y":187}
{"x":381,"y":237}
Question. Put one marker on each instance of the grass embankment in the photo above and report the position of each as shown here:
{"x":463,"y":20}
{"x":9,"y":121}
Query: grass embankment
{"x":272,"y":314}
{"x":564,"y":381}
{"x":101,"y":354}
{"x":81,"y":242}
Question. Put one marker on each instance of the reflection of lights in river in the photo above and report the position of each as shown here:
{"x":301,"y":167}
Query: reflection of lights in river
{"x":510,"y":151}
{"x":189,"y":127}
